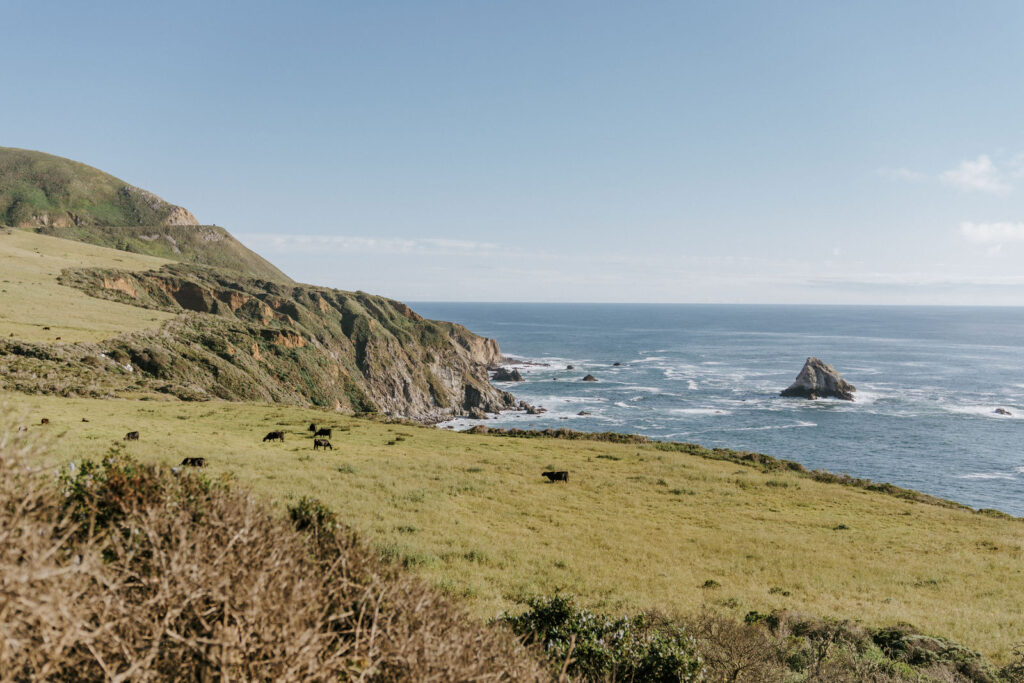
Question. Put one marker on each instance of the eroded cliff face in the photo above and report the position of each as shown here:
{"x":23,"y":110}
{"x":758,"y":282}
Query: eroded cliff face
{"x":245,"y":339}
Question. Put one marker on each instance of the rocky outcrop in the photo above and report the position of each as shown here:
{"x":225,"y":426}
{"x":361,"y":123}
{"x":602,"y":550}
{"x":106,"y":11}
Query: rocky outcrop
{"x":589,"y":378}
{"x":1002,"y":411}
{"x":507,"y":375}
{"x":818,"y":379}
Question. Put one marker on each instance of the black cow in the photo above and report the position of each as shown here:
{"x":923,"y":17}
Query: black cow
{"x":131,"y":436}
{"x":322,"y":443}
{"x":312,"y":426}
{"x":556,"y":476}
{"x":326,"y":431}
{"x":45,"y":421}
{"x":274,"y":436}
{"x":194,"y":462}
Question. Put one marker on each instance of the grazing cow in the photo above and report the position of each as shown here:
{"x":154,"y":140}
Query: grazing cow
{"x":45,"y":421}
{"x":194,"y":462}
{"x":556,"y":476}
{"x":131,"y":436}
{"x":274,"y":436}
{"x":326,"y":431}
{"x":322,"y":443}
{"x":312,"y":426}
{"x":84,"y":420}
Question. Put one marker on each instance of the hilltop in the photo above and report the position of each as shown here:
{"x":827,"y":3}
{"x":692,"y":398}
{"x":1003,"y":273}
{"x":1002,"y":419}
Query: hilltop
{"x":56,"y":196}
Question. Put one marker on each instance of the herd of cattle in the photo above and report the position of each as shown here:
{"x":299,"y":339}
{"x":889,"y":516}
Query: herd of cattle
{"x":318,"y":444}
{"x":317,"y":432}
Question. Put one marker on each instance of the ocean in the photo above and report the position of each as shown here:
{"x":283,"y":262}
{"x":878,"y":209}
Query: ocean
{"x":928,"y":379}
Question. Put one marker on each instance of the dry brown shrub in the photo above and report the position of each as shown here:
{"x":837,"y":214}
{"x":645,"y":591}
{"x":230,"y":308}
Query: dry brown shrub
{"x":199,"y":582}
{"x":734,"y":651}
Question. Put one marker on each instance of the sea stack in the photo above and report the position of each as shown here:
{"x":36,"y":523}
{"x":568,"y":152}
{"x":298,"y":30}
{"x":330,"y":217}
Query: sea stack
{"x":819,"y":380}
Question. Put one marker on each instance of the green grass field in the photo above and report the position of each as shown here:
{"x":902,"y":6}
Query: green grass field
{"x":634,"y":528}
{"x":32,"y":300}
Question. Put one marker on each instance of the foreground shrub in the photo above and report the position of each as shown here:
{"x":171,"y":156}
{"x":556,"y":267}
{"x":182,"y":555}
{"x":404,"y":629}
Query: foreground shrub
{"x":598,"y":647}
{"x":133,"y":573}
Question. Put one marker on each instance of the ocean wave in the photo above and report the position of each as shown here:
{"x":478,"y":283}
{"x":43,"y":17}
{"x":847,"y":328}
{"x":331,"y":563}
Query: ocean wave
{"x":700,"y":411}
{"x":984,"y":411}
{"x":765,"y":428}
{"x":987,"y":475}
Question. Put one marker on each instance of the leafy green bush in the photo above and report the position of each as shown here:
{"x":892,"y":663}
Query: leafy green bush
{"x":598,"y":647}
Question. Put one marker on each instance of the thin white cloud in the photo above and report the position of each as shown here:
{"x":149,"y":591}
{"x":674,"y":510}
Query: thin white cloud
{"x":914,"y":280}
{"x":354,"y":244}
{"x":979,"y":175}
{"x":904,"y":174}
{"x":992,"y":233}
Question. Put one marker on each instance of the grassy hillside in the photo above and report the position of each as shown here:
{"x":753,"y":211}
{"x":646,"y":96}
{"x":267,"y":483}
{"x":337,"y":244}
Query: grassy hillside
{"x":64,"y":198}
{"x":32,"y":300}
{"x":635,"y":527}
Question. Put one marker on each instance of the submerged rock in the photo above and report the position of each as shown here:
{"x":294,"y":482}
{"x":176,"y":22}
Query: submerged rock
{"x":818,"y":379}
{"x":506,"y":375}
{"x":1002,"y":411}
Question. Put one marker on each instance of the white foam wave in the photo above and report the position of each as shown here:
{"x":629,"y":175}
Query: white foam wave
{"x":700,"y":411}
{"x":984,"y":411}
{"x":987,"y":475}
{"x":691,"y":385}
{"x":797,"y":425}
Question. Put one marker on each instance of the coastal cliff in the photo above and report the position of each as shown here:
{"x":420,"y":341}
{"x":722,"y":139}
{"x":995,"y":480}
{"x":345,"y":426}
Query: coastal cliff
{"x":256,"y":340}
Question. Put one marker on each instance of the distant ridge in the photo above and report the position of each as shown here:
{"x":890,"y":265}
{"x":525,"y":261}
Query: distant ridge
{"x":64,"y":198}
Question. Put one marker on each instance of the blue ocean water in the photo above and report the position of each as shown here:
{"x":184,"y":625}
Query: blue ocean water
{"x":928,"y":382}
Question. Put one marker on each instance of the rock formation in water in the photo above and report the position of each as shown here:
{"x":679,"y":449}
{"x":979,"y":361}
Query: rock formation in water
{"x":507,"y":375}
{"x":818,"y":379}
{"x":589,"y":378}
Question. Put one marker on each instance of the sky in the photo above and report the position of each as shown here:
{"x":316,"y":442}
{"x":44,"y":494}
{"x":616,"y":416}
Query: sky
{"x":692,"y":152}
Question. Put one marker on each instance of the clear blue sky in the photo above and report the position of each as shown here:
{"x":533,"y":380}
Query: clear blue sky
{"x":775,"y":152}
